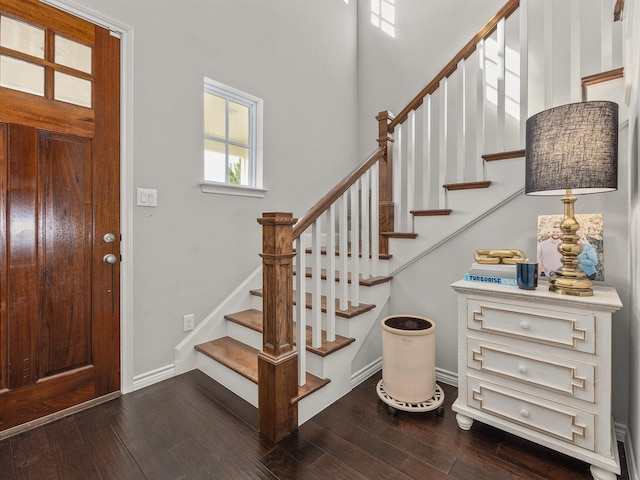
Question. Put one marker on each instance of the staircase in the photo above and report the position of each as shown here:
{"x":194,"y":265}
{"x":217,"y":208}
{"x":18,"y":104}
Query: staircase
{"x":462,"y":134}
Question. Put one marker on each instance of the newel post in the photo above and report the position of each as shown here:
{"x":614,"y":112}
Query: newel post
{"x":385,"y":180}
{"x":278,"y":361}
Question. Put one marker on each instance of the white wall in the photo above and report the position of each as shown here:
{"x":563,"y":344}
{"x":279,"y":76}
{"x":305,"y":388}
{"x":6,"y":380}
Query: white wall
{"x":192,"y":250}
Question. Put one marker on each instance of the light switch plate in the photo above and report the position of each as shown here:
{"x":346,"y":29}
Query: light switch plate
{"x":147,"y":197}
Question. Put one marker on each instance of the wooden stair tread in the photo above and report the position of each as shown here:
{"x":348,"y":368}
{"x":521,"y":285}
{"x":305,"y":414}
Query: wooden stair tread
{"x":364,"y":282}
{"x":237,"y":356}
{"x":243,"y":359}
{"x":252,"y":319}
{"x":327,"y":347}
{"x":467,"y":185}
{"x":431,"y":213}
{"x":312,"y":384}
{"x":350,"y":312}
{"x":408,"y":235}
{"x":492,"y":157}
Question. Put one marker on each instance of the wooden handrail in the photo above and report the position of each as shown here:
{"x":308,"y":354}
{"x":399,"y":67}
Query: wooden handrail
{"x":325,"y":202}
{"x":486,"y":31}
{"x":600,"y":78}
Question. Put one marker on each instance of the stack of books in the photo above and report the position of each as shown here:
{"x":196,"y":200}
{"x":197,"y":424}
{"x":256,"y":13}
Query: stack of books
{"x":499,"y":274}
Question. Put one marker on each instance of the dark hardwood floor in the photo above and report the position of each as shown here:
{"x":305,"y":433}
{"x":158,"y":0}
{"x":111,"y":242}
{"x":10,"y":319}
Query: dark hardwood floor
{"x":190,"y":427}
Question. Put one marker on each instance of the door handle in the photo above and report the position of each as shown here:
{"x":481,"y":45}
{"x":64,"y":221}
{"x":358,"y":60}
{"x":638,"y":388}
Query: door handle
{"x":110,"y":258}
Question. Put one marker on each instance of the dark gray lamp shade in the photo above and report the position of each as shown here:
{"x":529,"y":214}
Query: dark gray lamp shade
{"x":572,"y":146}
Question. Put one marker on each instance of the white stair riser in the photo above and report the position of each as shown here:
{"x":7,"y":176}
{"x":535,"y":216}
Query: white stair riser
{"x":326,"y":367}
{"x":235,"y":382}
{"x":339,"y":386}
{"x":245,"y":335}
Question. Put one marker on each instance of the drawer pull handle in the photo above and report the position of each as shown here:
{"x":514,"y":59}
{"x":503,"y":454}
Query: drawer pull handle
{"x":524,"y":413}
{"x":524,"y":325}
{"x":522,"y":369}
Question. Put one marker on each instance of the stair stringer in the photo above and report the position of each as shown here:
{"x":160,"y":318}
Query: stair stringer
{"x":215,"y":325}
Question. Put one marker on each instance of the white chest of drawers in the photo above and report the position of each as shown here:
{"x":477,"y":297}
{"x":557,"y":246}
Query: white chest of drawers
{"x":538,"y":365}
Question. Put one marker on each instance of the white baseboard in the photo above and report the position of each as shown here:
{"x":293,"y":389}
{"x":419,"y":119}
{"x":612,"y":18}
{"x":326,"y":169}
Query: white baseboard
{"x":444,"y":376}
{"x":361,"y":375}
{"x":621,"y":431}
{"x":154,"y":376}
{"x":632,"y":465}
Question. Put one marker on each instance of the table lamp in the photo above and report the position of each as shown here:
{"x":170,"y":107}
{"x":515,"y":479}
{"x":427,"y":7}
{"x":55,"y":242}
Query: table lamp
{"x":571,"y":150}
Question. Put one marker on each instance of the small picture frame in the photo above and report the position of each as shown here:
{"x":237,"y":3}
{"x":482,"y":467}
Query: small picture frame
{"x":591,"y":234}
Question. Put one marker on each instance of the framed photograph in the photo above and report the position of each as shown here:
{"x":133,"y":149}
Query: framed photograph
{"x":591,"y":238}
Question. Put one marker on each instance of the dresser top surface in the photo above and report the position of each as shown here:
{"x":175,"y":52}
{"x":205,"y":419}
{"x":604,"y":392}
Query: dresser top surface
{"x":603,"y":297}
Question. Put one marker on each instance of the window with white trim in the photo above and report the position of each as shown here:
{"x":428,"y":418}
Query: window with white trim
{"x":231,"y":139}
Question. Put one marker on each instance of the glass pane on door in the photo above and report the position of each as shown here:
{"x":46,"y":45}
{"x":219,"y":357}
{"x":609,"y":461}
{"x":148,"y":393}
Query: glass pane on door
{"x":21,"y":37}
{"x":72,"y":89}
{"x":72,"y":54}
{"x":23,"y":76}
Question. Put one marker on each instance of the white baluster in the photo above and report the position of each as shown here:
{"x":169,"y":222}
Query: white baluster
{"x":500,"y":85}
{"x":375,"y":219}
{"x":575,"y":77}
{"x":461,"y":120}
{"x":410,"y":172}
{"x":606,"y":35}
{"x":548,"y":54}
{"x":524,"y":69}
{"x":472,"y":157}
{"x":443,"y":141}
{"x":355,"y":246}
{"x":398,"y":174}
{"x":427,"y":145}
{"x":480,"y":109}
{"x":490,"y":68}
{"x":301,"y":310}
{"x":331,"y":274}
{"x":364,"y":215}
{"x":316,"y":290}
{"x":344,"y":251}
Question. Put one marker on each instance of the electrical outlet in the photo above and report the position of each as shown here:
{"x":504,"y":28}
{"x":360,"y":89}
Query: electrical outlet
{"x":189,"y":322}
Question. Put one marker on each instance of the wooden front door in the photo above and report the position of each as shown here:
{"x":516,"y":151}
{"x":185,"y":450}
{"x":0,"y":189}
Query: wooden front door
{"x":59,"y":212}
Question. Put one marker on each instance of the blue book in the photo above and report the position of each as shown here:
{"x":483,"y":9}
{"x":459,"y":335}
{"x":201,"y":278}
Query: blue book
{"x":490,"y":279}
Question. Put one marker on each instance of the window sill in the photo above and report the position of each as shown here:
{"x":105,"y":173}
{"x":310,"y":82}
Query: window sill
{"x":224,"y":189}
